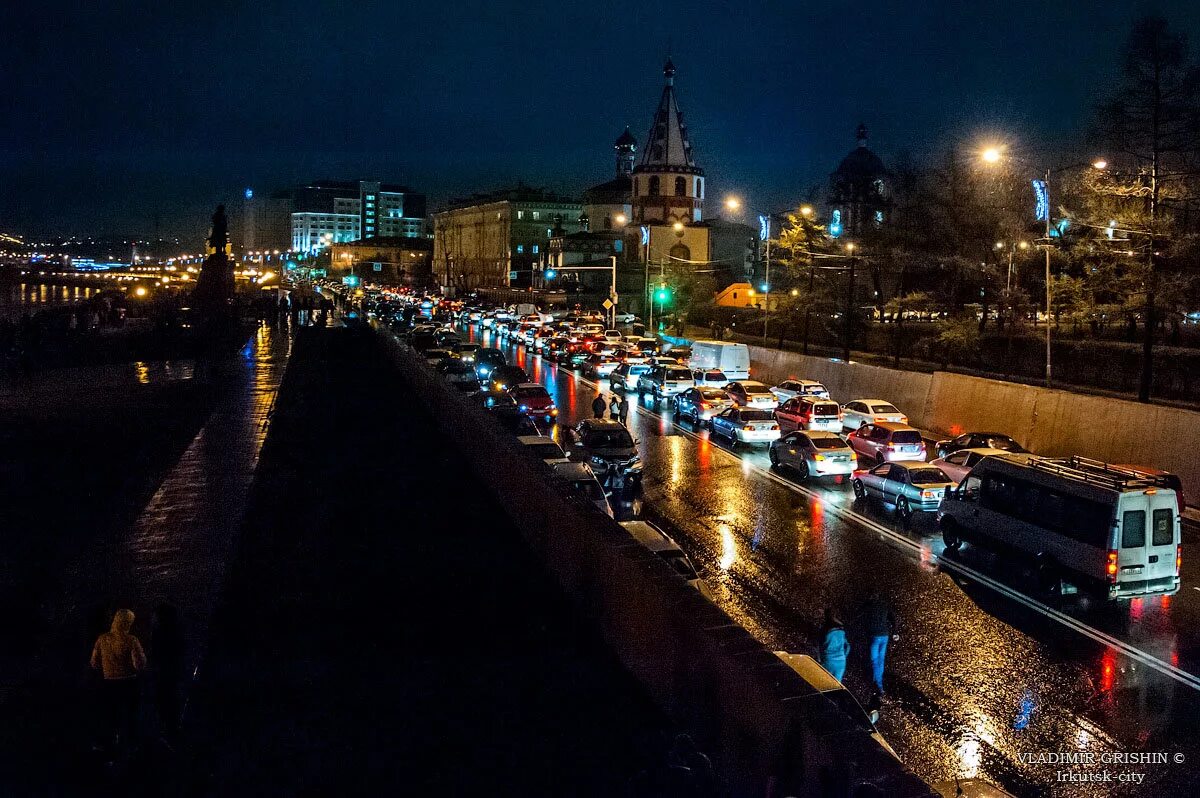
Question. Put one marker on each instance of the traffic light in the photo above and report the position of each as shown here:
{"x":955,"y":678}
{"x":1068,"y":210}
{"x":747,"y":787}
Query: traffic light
{"x":662,"y":295}
{"x":551,"y":274}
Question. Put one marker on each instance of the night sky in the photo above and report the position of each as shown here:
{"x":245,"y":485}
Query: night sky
{"x":115,"y":112}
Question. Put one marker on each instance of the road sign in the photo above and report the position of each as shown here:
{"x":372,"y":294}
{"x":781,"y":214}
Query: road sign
{"x":608,"y":305}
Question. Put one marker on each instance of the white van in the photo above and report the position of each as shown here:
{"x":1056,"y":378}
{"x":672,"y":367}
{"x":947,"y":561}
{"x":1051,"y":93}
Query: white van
{"x":1098,"y":526}
{"x":731,"y":358}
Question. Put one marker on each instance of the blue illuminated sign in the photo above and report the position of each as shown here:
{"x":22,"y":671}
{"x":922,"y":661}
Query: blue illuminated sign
{"x":1042,"y":210}
{"x":551,"y":274}
{"x":249,"y":193}
{"x":645,"y":236}
{"x":835,"y":224}
{"x":764,"y":228}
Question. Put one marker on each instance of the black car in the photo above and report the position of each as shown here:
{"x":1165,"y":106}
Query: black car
{"x":608,"y":448}
{"x":493,"y":400}
{"x":504,"y":377}
{"x":487,"y":359}
{"x":980,"y":440}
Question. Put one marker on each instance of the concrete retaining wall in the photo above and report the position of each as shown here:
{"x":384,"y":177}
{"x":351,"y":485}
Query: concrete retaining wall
{"x":1046,"y":421}
{"x":713,"y":679}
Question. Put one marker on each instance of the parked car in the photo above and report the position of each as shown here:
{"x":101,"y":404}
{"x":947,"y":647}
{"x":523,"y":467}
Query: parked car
{"x":608,"y":448}
{"x":534,"y":401}
{"x":751,"y":393}
{"x":909,"y":487}
{"x":625,"y":376}
{"x":544,"y":448}
{"x":493,"y":400}
{"x":504,"y":377}
{"x":816,"y":453}
{"x":614,"y":335}
{"x":661,"y":544}
{"x":887,"y":441}
{"x":466,"y":351}
{"x":809,"y":412}
{"x":664,"y":380}
{"x":958,"y":464}
{"x":582,"y":481}
{"x":700,"y":404}
{"x":710,"y":378}
{"x":979,"y":440}
{"x":870,"y":411}
{"x":745,"y":425}
{"x":792,"y":388}
{"x":459,"y":374}
{"x":487,"y":359}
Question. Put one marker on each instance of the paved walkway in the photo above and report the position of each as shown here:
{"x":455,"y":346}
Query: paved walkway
{"x":176,"y":552}
{"x":384,"y":631}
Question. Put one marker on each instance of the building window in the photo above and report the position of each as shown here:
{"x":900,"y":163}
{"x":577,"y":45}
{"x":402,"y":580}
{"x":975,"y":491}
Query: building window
{"x":653,"y":185}
{"x":537,"y":215}
{"x":699,"y":188}
{"x":520,"y":214}
{"x":535,"y":249}
{"x":680,"y":186}
{"x":520,"y":249}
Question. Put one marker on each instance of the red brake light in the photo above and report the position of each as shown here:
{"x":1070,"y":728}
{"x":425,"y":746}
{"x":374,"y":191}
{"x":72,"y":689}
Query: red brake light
{"x":1178,"y":558}
{"x":1112,"y":567}
{"x":748,"y":428}
{"x":704,"y":405}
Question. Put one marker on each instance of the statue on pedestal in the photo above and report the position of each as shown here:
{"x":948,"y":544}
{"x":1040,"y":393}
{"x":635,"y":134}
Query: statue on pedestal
{"x":214,"y":286}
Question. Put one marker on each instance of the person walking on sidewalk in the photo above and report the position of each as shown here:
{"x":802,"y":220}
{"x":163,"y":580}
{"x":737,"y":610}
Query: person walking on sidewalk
{"x":119,"y":657}
{"x":880,"y":624}
{"x":835,"y":648}
{"x":599,"y":406}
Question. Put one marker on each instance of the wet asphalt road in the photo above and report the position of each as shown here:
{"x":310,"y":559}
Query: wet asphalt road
{"x":987,"y":669}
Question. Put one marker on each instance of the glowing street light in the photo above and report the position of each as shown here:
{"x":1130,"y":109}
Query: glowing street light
{"x":1100,"y":164}
{"x":733,"y":203}
{"x":806,"y":210}
{"x":621,"y":219}
{"x":991,"y":155}
{"x":678,"y":228}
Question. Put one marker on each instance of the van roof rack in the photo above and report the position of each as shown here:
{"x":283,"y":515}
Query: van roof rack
{"x":1098,"y":472}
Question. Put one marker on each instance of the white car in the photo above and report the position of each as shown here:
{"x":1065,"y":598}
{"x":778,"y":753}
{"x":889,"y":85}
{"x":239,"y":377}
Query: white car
{"x":583,"y":481}
{"x":870,"y":411}
{"x":614,"y":335}
{"x":626,"y":318}
{"x":958,"y":464}
{"x":710,"y":378}
{"x":751,"y":393}
{"x":789,"y":389}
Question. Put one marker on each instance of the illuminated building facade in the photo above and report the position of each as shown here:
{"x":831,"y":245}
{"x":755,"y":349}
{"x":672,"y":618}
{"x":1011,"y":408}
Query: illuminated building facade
{"x":329,"y":212}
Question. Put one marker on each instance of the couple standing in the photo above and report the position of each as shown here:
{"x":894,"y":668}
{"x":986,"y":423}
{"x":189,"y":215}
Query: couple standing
{"x":880,"y":625}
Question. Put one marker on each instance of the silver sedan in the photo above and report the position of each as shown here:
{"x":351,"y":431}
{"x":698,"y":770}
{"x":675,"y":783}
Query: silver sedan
{"x":814,"y":453}
{"x":909,"y":487}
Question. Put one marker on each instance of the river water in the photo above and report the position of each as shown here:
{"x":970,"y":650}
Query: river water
{"x":17,"y":299}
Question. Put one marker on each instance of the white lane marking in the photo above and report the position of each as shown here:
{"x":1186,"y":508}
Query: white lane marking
{"x":1104,"y":638}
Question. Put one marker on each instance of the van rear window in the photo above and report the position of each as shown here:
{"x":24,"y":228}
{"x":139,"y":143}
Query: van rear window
{"x":906,"y":436}
{"x":827,"y":409}
{"x":1164,"y":527}
{"x":1133,"y":529}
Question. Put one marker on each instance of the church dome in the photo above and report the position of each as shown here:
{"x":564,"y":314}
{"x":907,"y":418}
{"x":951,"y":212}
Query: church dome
{"x":861,"y":163}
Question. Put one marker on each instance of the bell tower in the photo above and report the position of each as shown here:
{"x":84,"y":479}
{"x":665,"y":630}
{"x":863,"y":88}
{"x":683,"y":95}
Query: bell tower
{"x":668,"y":186}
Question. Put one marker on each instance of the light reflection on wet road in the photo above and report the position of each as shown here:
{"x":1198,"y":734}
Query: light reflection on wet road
{"x":976,"y":678}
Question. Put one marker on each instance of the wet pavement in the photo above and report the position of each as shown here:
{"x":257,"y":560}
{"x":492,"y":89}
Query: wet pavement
{"x":987,"y":671}
{"x":384,"y":630}
{"x":175,"y":551}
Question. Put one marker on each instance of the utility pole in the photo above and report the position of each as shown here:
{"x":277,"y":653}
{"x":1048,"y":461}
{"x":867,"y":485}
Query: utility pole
{"x":848,"y":342}
{"x":808,"y":305}
{"x":1049,"y":289}
{"x":1145,"y":383}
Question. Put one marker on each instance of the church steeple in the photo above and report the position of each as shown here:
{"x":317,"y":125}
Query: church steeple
{"x":626,"y":147}
{"x":668,"y":186}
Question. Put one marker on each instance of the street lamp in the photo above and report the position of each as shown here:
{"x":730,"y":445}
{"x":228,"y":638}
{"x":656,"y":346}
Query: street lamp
{"x":621,"y":219}
{"x":992,"y":156}
{"x":806,"y":210}
{"x":733,"y":203}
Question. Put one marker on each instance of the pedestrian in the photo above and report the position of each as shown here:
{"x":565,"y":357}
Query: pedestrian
{"x":599,"y":406}
{"x":835,"y":648}
{"x":167,"y":646}
{"x":119,"y":657}
{"x":620,"y":408}
{"x":880,"y":625}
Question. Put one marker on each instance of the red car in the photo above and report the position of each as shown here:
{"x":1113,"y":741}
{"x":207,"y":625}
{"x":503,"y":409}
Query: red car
{"x":534,"y":401}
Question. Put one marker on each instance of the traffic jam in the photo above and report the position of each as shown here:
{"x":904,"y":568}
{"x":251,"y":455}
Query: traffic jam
{"x":780,"y":502}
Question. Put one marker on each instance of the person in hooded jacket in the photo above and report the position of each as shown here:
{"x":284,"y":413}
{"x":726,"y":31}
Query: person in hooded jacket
{"x":835,"y":648}
{"x":599,"y":406}
{"x":120,"y":658}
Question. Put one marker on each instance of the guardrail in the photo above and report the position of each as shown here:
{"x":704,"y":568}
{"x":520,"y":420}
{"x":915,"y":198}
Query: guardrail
{"x":751,"y":712}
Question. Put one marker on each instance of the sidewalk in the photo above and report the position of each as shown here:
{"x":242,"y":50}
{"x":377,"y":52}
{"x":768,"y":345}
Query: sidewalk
{"x":384,"y":631}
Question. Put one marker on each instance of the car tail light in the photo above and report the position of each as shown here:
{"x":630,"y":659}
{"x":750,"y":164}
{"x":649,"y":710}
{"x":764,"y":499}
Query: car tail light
{"x":1111,"y":569}
{"x":928,"y":494}
{"x":748,"y":428}
{"x":774,"y":426}
{"x":1178,"y":559}
{"x":705,"y":405}
{"x":818,"y":457}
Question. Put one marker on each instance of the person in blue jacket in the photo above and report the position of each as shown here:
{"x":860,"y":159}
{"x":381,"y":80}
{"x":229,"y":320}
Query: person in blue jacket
{"x":835,"y":648}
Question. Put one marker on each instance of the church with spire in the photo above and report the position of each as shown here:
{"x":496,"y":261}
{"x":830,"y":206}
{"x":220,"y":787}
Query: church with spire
{"x":668,"y":188}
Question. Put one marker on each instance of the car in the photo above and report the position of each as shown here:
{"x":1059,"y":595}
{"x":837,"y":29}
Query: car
{"x":582,"y":480}
{"x":625,"y":318}
{"x":487,"y":359}
{"x":663,"y":360}
{"x":709,"y":378}
{"x":887,"y":441}
{"x":745,"y":425}
{"x":608,"y":448}
{"x":459,"y":374}
{"x":789,"y":389}
{"x":869,"y":411}
{"x":664,"y":381}
{"x":591,"y":329}
{"x":751,"y":393}
{"x":826,"y":690}
{"x":631,"y":354}
{"x":979,"y":440}
{"x":578,"y":356}
{"x":436,"y":355}
{"x":466,"y":351}
{"x":816,"y":453}
{"x":647,"y":345}
{"x":958,"y":464}
{"x":544,"y":448}
{"x":614,"y":335}
{"x":493,"y":400}
{"x":534,"y":401}
{"x":700,"y":404}
{"x":909,"y":487}
{"x":600,"y":366}
{"x":625,"y":376}
{"x":809,"y":412}
{"x":446,"y":338}
{"x":504,"y":377}
{"x":660,"y":544}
